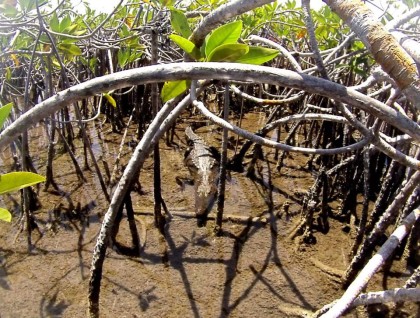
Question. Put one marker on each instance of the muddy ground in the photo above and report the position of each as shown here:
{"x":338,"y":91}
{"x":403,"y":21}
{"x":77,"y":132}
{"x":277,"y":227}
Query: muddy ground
{"x":252,"y":270}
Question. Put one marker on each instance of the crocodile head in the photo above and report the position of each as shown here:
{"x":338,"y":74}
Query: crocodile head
{"x":205,"y":185}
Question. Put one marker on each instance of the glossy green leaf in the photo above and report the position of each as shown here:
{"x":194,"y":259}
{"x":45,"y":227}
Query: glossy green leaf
{"x":65,"y":23}
{"x":5,"y":215}
{"x":135,"y":56}
{"x":4,"y":113}
{"x":179,"y":23}
{"x":71,"y":29}
{"x":228,"y":52}
{"x":110,"y":100}
{"x":124,"y":31}
{"x":226,"y":34}
{"x":14,"y":181}
{"x":54,"y":23}
{"x":258,"y":55}
{"x":187,"y":46}
{"x":71,"y":49}
{"x":79,"y":32}
{"x":8,"y":74}
{"x":122,"y":57}
{"x":173,"y":89}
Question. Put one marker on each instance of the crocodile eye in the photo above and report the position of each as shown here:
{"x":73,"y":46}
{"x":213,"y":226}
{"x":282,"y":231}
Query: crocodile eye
{"x":187,"y":153}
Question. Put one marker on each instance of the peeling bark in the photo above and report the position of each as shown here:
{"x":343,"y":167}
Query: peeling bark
{"x":385,"y":49}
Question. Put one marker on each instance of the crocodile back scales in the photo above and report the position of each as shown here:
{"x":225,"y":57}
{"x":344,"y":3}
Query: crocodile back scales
{"x":205,"y":169}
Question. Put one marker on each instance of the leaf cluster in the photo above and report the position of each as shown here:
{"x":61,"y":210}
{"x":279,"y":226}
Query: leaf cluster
{"x":221,"y":45}
{"x":14,"y":181}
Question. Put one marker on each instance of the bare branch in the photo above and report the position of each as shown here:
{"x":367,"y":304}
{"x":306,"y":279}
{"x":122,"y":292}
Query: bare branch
{"x":372,"y":266}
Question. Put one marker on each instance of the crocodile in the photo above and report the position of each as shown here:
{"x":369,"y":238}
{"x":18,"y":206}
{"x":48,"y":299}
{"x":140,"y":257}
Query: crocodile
{"x":203,"y":163}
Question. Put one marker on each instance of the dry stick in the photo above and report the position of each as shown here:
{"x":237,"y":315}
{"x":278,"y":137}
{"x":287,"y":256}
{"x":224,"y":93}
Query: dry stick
{"x":163,"y":120}
{"x":412,"y":247}
{"x":223,"y":160}
{"x":241,"y":116}
{"x":86,"y":141}
{"x":325,"y":129}
{"x":366,"y":194}
{"x":183,"y":213}
{"x":25,"y":191}
{"x":23,"y":105}
{"x":236,"y":161}
{"x":113,"y":178}
{"x":50,"y":133}
{"x":293,"y":63}
{"x":373,"y":266}
{"x":288,"y":140}
{"x":79,"y":172}
{"x":387,"y":219}
{"x":135,"y":239}
{"x":393,"y":295}
{"x":157,"y":187}
{"x":310,"y":202}
{"x":49,"y":176}
{"x":384,"y":194}
{"x":387,"y":296}
{"x":414,"y":279}
{"x":312,"y":39}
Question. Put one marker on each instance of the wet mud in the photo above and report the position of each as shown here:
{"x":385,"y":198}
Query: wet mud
{"x":252,"y":270}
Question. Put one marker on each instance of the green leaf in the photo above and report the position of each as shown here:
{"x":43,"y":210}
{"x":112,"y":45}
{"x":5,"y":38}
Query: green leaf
{"x":135,"y":56}
{"x":122,"y":56}
{"x":69,"y":40}
{"x":258,"y":55}
{"x":8,"y":74}
{"x":71,"y":29}
{"x":4,"y":113}
{"x":124,"y":31}
{"x":79,"y":32}
{"x":54,"y":23}
{"x":5,"y":215}
{"x":167,"y":3}
{"x":110,"y":100}
{"x":179,"y":23}
{"x":187,"y":46}
{"x":71,"y":49}
{"x":228,"y":33}
{"x":14,"y":181}
{"x":228,"y":52}
{"x":8,"y":10}
{"x":65,"y":23}
{"x":173,"y":89}
{"x":27,"y":5}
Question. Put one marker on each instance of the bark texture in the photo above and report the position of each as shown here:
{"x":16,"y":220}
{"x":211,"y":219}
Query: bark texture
{"x":385,"y":49}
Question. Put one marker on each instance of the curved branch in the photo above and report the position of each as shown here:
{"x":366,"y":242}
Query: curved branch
{"x":222,"y":14}
{"x":269,"y":143}
{"x":224,"y":71}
